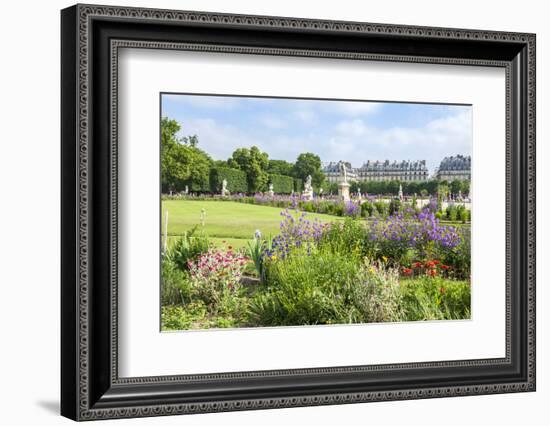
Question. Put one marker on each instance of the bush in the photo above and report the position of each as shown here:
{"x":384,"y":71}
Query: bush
{"x":452,"y":212}
{"x":459,"y":257}
{"x":282,"y":184}
{"x":367,"y":208}
{"x":348,"y":238}
{"x":394,"y":206}
{"x":381,"y":208}
{"x":236,"y":180}
{"x":182,"y":317}
{"x":175,"y":285}
{"x":202,"y":185}
{"x":188,"y":248}
{"x":429,"y":298}
{"x":325,"y":288}
{"x":463,"y":214}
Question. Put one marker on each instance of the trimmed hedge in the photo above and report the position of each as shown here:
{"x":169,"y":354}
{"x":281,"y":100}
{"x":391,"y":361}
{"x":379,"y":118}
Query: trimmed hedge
{"x":281,"y":184}
{"x":198,"y":186}
{"x":236,"y":180}
{"x":298,"y":185}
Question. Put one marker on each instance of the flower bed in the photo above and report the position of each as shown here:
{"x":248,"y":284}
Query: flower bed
{"x":405,"y":267}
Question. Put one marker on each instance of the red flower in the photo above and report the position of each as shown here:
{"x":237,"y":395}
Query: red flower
{"x":417,"y":264}
{"x":431,"y":272}
{"x":436,"y":262}
{"x":407,"y":271}
{"x":430,"y":264}
{"x":445,"y":267}
{"x":442,"y":290}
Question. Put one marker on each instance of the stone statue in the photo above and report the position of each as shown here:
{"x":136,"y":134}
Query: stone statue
{"x":186,"y":189}
{"x":307,"y":194}
{"x":270,"y":192}
{"x":359,"y":196}
{"x":307,"y":185}
{"x":343,"y":168}
{"x":225,"y":192}
{"x":400,"y":194}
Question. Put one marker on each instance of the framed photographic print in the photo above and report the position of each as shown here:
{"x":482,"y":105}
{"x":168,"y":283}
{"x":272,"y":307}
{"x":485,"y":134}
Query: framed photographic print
{"x":263,"y":212}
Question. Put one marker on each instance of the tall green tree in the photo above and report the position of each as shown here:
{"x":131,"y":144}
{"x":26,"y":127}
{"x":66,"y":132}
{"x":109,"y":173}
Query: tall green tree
{"x":280,"y":167}
{"x":309,"y":164}
{"x":182,"y":162}
{"x":255,"y":164}
{"x":455,"y":186}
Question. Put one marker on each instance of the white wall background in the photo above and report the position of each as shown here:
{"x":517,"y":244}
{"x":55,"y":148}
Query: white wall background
{"x":29,"y":211}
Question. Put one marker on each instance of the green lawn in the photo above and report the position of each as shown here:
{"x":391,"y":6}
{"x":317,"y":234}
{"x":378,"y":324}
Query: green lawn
{"x":227,"y":221}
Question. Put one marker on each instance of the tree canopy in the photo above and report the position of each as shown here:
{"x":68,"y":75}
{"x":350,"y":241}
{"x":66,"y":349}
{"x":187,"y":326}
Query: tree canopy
{"x":182,"y":163}
{"x":309,"y":164}
{"x":255,"y":164}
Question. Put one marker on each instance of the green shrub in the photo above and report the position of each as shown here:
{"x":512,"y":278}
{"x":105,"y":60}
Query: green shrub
{"x":183,"y":317}
{"x":188,"y":248}
{"x":347,"y":238}
{"x":459,"y":257}
{"x":367,"y":208}
{"x":325,"y":288}
{"x":282,"y":184}
{"x":339,"y":209}
{"x":381,"y":208}
{"x":394,"y":206}
{"x":236,"y":180}
{"x":175,"y":285}
{"x":452,"y":212}
{"x":201,"y":185}
{"x":463,"y":214}
{"x":428,"y":298}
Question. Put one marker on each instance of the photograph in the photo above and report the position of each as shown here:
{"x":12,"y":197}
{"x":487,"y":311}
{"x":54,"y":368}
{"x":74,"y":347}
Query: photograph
{"x":278,"y":212}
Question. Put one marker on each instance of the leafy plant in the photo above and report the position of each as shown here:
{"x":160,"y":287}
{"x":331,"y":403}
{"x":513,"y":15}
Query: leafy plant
{"x":187,"y":248}
{"x":175,"y":285}
{"x":429,"y":298}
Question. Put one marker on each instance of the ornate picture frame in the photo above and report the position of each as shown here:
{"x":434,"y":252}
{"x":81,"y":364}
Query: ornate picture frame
{"x":91,"y":39}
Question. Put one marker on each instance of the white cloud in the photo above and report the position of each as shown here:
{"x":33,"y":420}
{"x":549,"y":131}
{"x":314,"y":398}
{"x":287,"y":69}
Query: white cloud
{"x":305,"y":116}
{"x":438,"y":138}
{"x":272,"y":121}
{"x":354,"y":139}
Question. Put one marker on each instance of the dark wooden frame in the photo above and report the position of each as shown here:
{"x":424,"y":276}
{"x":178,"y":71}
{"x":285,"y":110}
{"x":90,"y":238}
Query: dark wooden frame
{"x":90,"y":386}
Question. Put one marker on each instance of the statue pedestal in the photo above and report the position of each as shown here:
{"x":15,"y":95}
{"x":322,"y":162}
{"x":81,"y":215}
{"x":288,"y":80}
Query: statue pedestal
{"x":343,"y":191}
{"x":271,"y":193}
{"x":307,"y":195}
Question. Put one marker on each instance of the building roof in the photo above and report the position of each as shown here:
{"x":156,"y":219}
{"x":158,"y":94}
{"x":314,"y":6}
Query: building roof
{"x":458,"y":162}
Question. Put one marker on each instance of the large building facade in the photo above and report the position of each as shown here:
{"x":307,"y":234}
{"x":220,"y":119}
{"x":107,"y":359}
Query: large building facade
{"x":377,"y":170}
{"x":455,"y":168}
{"x":396,"y":170}
{"x":333,"y":172}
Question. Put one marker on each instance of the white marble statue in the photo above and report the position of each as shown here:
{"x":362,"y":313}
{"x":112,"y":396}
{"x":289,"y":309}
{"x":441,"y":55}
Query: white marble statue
{"x":225,"y":191}
{"x":344,"y":172}
{"x":307,"y":194}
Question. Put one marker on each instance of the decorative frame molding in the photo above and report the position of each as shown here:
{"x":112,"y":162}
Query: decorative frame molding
{"x":91,"y":37}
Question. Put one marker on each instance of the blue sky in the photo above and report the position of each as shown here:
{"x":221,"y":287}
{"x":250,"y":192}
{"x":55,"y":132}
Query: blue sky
{"x":334,"y":130}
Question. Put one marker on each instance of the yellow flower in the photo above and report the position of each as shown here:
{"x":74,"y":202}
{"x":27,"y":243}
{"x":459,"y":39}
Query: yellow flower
{"x":384,"y":258}
{"x":274,"y":257}
{"x":372,"y":270}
